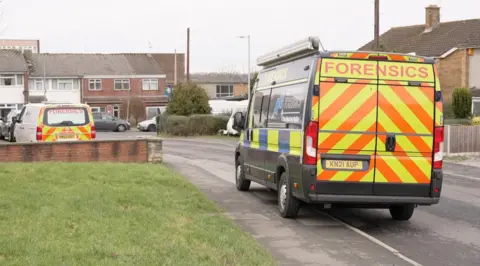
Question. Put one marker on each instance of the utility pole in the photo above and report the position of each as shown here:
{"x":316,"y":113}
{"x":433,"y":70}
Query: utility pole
{"x":377,"y":25}
{"x":249,"y":78}
{"x":175,"y":68}
{"x":188,"y":54}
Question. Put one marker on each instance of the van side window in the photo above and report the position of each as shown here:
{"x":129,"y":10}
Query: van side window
{"x":286,"y":107}
{"x":260,"y":109}
{"x":22,"y":114}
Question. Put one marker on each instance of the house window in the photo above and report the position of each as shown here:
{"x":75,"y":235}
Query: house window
{"x":95,"y":84}
{"x":8,"y":80}
{"x":152,"y":111}
{"x":122,"y":84}
{"x":65,"y":84}
{"x":224,"y":91}
{"x":36,"y":85}
{"x":98,"y":109}
{"x":150,"y":84}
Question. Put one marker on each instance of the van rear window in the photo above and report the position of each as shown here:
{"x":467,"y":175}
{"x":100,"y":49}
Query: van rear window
{"x":66,"y":116}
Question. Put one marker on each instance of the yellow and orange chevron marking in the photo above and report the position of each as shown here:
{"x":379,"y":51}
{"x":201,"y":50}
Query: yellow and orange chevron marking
{"x":348,"y":125}
{"x":391,"y":57}
{"x":50,"y":134}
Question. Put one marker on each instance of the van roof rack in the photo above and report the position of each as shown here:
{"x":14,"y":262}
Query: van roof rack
{"x":300,"y":49}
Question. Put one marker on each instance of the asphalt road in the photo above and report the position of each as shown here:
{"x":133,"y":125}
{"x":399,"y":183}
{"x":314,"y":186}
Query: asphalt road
{"x":444,"y":234}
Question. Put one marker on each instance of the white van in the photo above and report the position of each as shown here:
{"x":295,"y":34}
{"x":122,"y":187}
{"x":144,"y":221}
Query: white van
{"x":45,"y":122}
{"x":241,"y":106}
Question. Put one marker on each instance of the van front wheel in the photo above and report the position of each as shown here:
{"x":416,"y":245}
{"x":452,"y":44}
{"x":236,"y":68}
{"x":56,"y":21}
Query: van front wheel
{"x":402,"y":212}
{"x":288,"y":205}
{"x":240,"y":181}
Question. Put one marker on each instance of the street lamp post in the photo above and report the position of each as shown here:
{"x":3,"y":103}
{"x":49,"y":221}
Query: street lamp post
{"x":248,"y":41}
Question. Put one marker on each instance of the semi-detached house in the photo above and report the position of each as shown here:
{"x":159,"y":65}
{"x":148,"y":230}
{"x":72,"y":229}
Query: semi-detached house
{"x":13,"y":74}
{"x":104,"y":81}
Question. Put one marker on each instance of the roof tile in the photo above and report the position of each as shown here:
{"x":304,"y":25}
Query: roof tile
{"x":445,"y":36}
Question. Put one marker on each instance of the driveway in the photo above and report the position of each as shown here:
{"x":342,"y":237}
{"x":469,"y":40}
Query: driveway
{"x":443,"y":234}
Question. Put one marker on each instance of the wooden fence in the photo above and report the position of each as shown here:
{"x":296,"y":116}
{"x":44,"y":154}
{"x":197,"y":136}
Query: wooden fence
{"x":461,"y":139}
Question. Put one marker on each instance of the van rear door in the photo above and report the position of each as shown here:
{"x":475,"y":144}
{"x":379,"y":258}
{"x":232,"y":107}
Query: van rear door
{"x":376,"y":116}
{"x":347,"y":120}
{"x":65,"y":123}
{"x":406,"y":118}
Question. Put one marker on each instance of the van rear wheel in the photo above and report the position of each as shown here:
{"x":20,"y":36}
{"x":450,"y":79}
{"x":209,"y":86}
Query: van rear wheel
{"x":402,"y":212}
{"x":240,"y":181}
{"x":288,"y":205}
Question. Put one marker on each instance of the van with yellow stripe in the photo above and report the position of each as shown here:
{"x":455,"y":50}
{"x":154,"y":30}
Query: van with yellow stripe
{"x":52,"y":122}
{"x":356,"y":129}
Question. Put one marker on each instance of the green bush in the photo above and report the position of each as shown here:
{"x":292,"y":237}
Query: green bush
{"x":462,"y":102}
{"x":194,"y":125}
{"x":188,"y":99}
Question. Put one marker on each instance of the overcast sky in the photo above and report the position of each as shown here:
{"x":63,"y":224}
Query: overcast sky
{"x":115,"y":26}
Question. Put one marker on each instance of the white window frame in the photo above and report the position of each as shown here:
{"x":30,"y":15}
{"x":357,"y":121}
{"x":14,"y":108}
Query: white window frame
{"x":63,"y":81}
{"x":9,"y":76}
{"x":221,"y":95}
{"x":475,"y":100}
{"x":95,"y":81}
{"x":123,"y":82}
{"x":36,"y":86}
{"x":162,"y":108}
{"x":150,"y":84}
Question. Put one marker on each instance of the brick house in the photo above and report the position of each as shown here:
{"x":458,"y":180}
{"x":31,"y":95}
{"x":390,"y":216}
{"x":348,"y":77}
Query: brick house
{"x":22,"y":45}
{"x":455,"y":45}
{"x":103,"y":81}
{"x":221,"y":85}
{"x":167,"y":64}
{"x":13,"y":81}
{"x":111,"y":79}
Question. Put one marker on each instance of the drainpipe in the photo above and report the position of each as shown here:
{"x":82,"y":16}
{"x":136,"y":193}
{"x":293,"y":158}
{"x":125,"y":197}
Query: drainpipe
{"x":25,"y":87}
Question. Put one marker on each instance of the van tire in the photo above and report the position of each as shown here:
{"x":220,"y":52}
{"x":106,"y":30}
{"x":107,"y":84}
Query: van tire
{"x":241,"y":182}
{"x":288,"y":205}
{"x":402,"y":212}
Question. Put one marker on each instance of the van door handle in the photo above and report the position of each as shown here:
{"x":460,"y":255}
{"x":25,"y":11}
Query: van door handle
{"x":251,"y":134}
{"x":391,"y":142}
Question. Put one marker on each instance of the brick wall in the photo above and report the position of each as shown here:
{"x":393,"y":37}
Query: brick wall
{"x":126,"y":151}
{"x":453,"y":72}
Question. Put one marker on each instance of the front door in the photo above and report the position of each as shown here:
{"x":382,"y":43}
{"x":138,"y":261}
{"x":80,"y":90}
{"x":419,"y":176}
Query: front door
{"x":405,"y":130}
{"x":347,"y":111}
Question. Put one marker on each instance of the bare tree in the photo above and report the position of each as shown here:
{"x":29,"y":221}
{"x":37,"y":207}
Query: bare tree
{"x":135,"y":109}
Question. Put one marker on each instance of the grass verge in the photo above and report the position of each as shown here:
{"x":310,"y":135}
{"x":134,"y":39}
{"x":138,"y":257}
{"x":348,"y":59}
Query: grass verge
{"x":114,"y":214}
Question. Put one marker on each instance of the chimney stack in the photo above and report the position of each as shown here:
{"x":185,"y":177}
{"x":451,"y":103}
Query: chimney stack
{"x":432,"y":17}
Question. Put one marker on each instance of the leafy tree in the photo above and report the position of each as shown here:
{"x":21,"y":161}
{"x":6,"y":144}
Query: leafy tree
{"x":253,"y":78}
{"x":188,"y":99}
{"x":133,"y":108}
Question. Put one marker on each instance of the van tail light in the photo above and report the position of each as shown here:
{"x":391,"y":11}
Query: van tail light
{"x":93,"y":132}
{"x":39,"y":135}
{"x":310,"y":144}
{"x":438,"y":148}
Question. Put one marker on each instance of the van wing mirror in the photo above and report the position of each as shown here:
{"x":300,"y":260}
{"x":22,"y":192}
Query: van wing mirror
{"x":238,"y":121}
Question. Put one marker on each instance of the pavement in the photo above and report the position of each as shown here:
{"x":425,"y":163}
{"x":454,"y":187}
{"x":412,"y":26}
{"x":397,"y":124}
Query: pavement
{"x":444,"y":234}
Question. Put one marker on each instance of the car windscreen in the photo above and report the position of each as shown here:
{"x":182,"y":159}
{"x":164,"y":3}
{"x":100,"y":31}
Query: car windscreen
{"x":65,"y":116}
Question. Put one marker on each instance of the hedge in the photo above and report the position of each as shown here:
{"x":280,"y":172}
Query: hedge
{"x":194,"y":125}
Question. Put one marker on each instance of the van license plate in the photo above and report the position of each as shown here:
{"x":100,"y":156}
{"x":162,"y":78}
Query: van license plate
{"x":66,"y":136}
{"x":344,"y":165}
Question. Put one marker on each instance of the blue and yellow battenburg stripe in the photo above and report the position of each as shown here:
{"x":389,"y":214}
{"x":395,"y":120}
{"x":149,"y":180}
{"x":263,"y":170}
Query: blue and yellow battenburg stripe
{"x":275,"y":140}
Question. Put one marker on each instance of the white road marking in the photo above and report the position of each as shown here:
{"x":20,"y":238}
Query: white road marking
{"x":463,"y":176}
{"x":203,"y":141}
{"x":358,"y":231}
{"x":376,"y":241}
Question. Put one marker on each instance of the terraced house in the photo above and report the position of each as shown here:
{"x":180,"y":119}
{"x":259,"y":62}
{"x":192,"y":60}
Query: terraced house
{"x":13,"y":85}
{"x":455,"y":45}
{"x":104,"y":81}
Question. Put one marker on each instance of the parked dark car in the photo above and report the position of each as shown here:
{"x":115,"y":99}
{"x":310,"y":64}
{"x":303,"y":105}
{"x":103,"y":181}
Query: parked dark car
{"x":7,"y":126}
{"x":107,"y":122}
